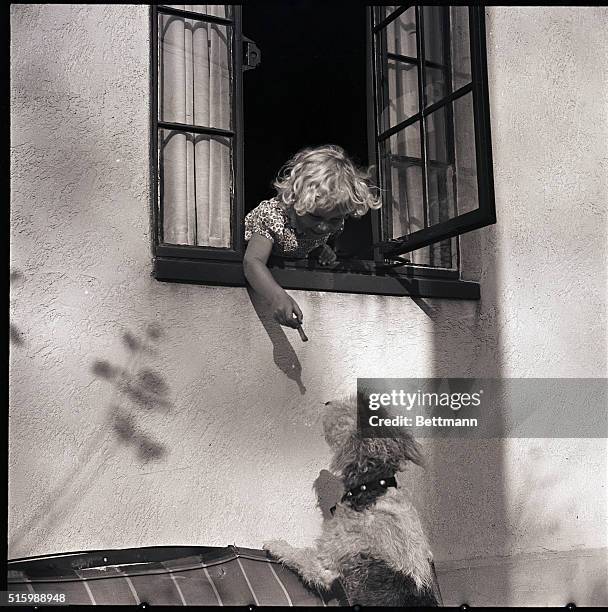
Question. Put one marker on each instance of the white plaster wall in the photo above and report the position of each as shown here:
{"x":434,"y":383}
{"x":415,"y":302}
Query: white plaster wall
{"x":224,"y":442}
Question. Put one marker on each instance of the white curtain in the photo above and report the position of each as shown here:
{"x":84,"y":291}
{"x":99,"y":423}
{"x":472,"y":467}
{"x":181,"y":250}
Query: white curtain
{"x":194,"y":88}
{"x":402,"y":77}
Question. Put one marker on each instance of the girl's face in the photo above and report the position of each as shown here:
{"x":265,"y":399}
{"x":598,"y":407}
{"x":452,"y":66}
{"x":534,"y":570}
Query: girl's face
{"x":320,"y":222}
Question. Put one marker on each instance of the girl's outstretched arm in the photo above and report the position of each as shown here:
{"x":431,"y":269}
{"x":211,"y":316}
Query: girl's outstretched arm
{"x":283,"y":306}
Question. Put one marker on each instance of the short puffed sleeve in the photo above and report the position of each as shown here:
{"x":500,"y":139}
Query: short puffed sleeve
{"x":267,"y":220}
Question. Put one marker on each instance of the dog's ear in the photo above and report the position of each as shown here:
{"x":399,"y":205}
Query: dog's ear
{"x":409,"y":450}
{"x":394,"y":450}
{"x":339,"y":421}
{"x":402,"y":446}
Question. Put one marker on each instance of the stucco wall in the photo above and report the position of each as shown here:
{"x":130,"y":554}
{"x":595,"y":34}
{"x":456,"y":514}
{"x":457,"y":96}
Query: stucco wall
{"x":147,"y":413}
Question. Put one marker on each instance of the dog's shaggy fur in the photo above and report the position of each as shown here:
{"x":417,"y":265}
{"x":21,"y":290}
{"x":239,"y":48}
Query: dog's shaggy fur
{"x":374,"y":543}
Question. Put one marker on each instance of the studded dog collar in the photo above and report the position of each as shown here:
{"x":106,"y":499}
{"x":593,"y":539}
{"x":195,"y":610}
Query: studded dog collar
{"x":371,"y":485}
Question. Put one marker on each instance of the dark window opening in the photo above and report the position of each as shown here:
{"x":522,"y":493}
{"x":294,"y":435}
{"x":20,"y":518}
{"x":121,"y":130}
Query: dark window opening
{"x":309,"y":90}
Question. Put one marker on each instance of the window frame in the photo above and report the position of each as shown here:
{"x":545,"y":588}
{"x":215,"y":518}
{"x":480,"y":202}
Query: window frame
{"x":485,"y":214}
{"x":223,"y":267}
{"x":237,"y":216}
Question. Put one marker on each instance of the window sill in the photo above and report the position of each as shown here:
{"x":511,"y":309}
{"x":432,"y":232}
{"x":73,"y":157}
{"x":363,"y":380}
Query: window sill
{"x":411,"y":282}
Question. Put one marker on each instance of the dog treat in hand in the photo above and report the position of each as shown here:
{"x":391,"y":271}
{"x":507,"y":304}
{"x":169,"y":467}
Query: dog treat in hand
{"x":302,"y":334}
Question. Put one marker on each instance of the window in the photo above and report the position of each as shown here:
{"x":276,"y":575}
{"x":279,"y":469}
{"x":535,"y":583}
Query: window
{"x":197,"y":135}
{"x":432,"y":132}
{"x":409,"y":92}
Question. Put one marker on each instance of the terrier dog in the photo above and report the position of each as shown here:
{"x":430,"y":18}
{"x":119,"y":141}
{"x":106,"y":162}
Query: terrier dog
{"x":374,"y":543}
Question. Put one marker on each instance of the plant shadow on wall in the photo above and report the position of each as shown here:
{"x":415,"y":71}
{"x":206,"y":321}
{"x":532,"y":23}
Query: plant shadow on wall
{"x":137,"y":390}
{"x":15,"y":335}
{"x":283,"y":353}
{"x":139,"y":386}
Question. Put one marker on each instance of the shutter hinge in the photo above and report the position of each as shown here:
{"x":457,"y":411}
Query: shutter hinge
{"x":252,"y":56}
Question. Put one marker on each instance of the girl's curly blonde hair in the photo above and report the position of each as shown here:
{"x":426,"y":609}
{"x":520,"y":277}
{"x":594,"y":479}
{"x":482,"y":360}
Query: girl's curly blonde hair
{"x":325,"y":179}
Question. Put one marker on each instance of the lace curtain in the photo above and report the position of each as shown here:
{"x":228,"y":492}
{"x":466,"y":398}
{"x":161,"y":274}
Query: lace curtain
{"x":195,"y":89}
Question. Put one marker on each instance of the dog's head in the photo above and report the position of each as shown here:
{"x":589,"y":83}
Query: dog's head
{"x":359,"y":460}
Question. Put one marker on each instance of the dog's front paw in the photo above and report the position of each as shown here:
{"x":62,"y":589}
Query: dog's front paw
{"x":327,"y":577}
{"x":277,"y":548}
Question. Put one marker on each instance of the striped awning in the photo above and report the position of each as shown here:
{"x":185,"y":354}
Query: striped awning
{"x":168,"y":575}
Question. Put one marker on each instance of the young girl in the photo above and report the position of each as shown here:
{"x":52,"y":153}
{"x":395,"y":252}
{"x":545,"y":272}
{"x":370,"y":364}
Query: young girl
{"x":316,"y":190}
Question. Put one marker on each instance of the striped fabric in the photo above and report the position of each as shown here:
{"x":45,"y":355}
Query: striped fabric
{"x":168,"y":576}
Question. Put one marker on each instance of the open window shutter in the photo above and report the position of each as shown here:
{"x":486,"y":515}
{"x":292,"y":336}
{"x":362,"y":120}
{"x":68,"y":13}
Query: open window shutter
{"x":430,"y":124}
{"x":198,"y":119}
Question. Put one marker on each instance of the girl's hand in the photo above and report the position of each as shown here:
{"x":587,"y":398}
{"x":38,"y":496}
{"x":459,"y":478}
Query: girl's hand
{"x":327,"y":256}
{"x":284,"y":307}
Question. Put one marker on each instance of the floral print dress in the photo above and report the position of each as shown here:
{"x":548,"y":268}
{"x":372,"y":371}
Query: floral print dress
{"x":269,"y":219}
